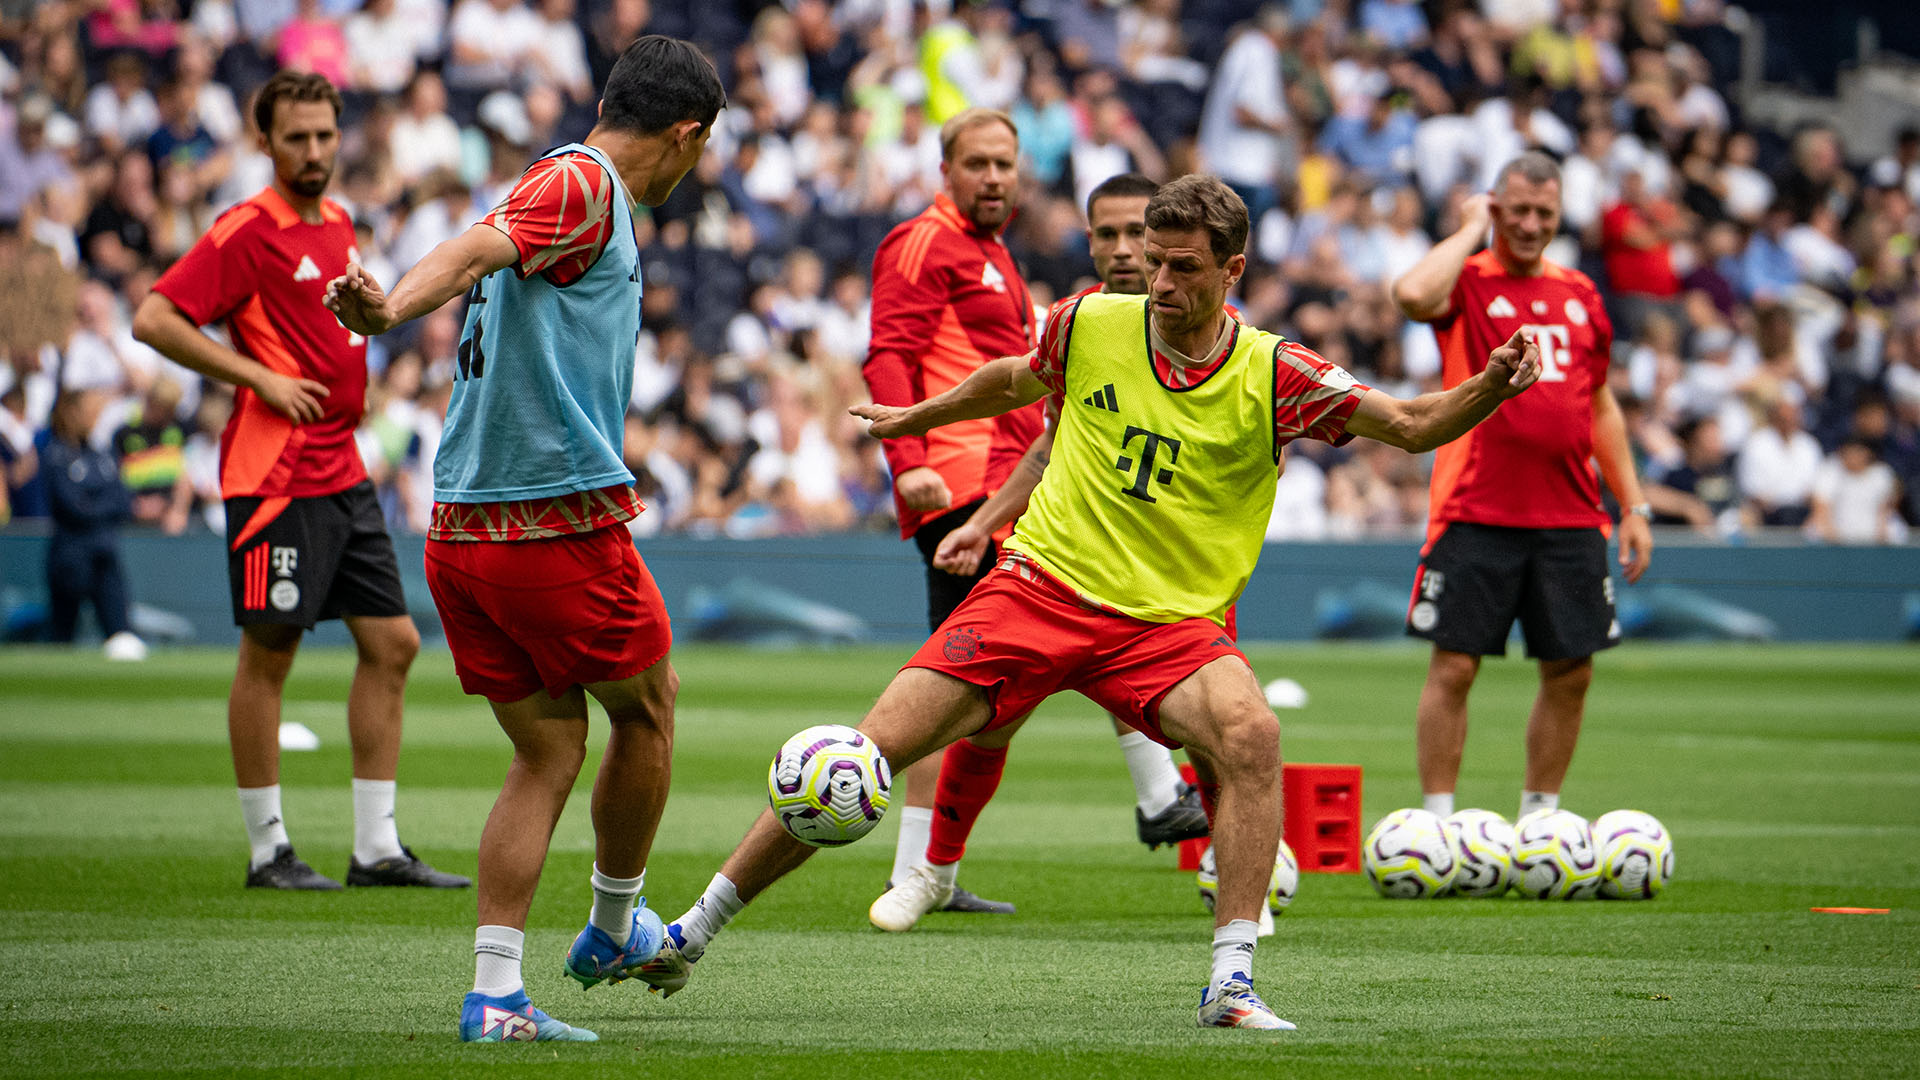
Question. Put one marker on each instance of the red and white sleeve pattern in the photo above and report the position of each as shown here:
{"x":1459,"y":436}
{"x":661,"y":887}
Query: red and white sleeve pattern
{"x":560,"y":216}
{"x":1312,"y":397}
{"x":1048,"y":360}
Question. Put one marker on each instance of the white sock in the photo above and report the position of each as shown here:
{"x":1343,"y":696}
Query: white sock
{"x":260,"y":809}
{"x":708,"y":915}
{"x":1233,"y":951}
{"x":916,"y":828}
{"x":1538,"y":800}
{"x":496,"y":960}
{"x":613,"y":903}
{"x":1156,"y":782}
{"x":1439,"y":803}
{"x":946,"y":875}
{"x":374,"y":834}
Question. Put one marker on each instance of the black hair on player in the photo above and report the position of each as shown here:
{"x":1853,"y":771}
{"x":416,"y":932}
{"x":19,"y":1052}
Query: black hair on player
{"x":659,"y":82}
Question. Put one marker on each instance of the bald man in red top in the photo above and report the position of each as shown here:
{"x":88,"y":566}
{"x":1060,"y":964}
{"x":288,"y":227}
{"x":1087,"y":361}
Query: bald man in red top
{"x":1516,"y":528}
{"x":947,"y":298}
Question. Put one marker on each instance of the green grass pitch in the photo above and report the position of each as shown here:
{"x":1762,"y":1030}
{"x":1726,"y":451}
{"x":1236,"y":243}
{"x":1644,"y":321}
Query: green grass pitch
{"x":1790,"y":777}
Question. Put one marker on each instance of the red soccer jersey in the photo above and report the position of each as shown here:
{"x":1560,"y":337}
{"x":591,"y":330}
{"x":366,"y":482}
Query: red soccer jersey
{"x":1529,"y":465}
{"x":262,"y":271}
{"x":947,"y":298}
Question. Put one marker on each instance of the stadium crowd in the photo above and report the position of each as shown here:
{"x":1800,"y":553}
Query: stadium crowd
{"x":1763,"y":284}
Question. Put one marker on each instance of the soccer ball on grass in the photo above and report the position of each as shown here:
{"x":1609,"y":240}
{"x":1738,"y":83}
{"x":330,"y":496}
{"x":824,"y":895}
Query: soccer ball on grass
{"x":829,"y":785}
{"x":1407,"y":856}
{"x":1483,"y":843}
{"x":1553,"y":857}
{"x":1635,"y":852}
{"x":1281,"y":886}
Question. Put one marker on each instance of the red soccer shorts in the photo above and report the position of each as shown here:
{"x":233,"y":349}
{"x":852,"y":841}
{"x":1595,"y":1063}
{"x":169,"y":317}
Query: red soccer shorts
{"x":1023,"y":637}
{"x":549,"y":614}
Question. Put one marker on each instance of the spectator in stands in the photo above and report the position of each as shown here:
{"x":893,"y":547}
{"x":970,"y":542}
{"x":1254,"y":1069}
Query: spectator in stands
{"x":1778,"y":463}
{"x":1700,"y":491}
{"x":121,"y":111}
{"x":488,"y":42}
{"x":383,"y":45}
{"x":1854,"y":497}
{"x":312,"y":41}
{"x":1244,"y":129}
{"x":424,"y":137}
{"x":1377,"y":146}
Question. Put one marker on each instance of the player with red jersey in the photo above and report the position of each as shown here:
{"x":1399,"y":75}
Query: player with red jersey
{"x":947,"y":298}
{"x":1516,"y":527}
{"x":305,"y":538}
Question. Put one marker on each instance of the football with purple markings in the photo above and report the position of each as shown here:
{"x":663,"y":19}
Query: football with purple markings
{"x":1636,"y":854}
{"x":829,"y":785}
{"x":1554,"y":856}
{"x":1483,"y":842}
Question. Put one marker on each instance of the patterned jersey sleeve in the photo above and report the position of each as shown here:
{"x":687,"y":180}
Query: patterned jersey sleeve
{"x":560,"y":216}
{"x":1048,"y":360}
{"x":1313,"y":398}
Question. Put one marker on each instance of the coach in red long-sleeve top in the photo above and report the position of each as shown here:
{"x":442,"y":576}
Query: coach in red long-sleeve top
{"x":947,"y":298}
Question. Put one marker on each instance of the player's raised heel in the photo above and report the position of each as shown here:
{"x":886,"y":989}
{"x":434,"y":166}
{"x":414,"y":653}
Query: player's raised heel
{"x":667,"y":973}
{"x":595,"y":958}
{"x":899,"y":908}
{"x":514,"y":1019}
{"x":1233,"y":1004}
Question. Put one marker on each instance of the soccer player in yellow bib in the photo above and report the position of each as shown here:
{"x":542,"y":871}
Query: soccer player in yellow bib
{"x":1140,"y":536}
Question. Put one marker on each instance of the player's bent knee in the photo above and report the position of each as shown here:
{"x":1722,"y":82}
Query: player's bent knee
{"x":1250,"y":738}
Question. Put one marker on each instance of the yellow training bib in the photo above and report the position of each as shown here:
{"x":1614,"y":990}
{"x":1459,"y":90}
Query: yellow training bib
{"x":1155,"y":502}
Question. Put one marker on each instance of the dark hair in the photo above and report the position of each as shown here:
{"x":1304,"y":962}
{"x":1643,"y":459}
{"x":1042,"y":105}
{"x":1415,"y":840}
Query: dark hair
{"x":1199,"y":201}
{"x":292,"y":86}
{"x":659,"y":82}
{"x":1125,"y":185}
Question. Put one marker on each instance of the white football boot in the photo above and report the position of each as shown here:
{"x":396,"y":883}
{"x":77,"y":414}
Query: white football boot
{"x":900,"y":907}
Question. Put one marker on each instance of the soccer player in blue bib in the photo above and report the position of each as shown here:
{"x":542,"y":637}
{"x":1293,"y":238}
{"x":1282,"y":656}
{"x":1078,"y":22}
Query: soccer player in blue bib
{"x":542,"y":596}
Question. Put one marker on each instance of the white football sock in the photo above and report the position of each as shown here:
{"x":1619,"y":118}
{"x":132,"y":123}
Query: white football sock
{"x":1156,"y":781}
{"x":1538,"y":800}
{"x":613,"y":904}
{"x":708,"y":915}
{"x":1233,"y":950}
{"x":374,"y":834}
{"x":260,"y":809}
{"x":916,"y":828}
{"x":1439,"y":803}
{"x":496,"y":960}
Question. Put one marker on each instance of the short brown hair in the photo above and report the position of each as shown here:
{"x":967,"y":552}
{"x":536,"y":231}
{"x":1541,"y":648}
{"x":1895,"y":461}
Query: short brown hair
{"x":292,"y":86}
{"x":966,"y":120}
{"x":1202,"y":202}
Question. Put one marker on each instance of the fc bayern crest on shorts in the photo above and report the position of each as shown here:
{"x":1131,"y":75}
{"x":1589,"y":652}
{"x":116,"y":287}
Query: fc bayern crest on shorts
{"x":963,"y":644}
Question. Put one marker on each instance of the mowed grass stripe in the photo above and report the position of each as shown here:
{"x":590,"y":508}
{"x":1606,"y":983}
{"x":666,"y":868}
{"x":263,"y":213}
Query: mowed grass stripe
{"x":1785,"y":773}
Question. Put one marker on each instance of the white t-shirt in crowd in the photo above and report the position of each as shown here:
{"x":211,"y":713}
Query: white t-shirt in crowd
{"x":1858,"y":501}
{"x":1779,"y":471}
{"x":1248,"y":78}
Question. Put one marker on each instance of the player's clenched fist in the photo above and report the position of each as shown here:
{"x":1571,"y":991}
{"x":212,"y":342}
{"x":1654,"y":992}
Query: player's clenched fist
{"x":1514,"y":366}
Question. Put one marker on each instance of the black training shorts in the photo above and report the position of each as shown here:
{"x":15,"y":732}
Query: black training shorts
{"x":318,"y":558}
{"x":1477,"y":579}
{"x":944,"y":590}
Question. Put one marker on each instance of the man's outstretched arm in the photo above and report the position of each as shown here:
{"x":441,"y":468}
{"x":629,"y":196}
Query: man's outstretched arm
{"x":996,"y":387}
{"x":448,"y":270}
{"x":1433,"y":420}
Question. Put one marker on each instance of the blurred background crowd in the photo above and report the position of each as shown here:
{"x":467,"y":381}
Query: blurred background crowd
{"x":1762,"y":281}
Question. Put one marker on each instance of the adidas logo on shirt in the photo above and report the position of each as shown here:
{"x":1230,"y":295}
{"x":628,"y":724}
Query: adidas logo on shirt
{"x":1103,"y":399}
{"x":1501,"y":308}
{"x":306,"y":271}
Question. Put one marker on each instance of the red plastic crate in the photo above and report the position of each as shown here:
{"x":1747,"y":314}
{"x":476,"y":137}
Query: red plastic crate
{"x":1321,"y":804}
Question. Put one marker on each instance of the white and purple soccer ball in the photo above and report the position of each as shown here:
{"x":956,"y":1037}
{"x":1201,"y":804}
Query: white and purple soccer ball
{"x":1282,"y":885}
{"x":1483,"y":842}
{"x":1553,"y":857}
{"x":1636,"y":854}
{"x":1407,"y":856}
{"x":829,"y":785}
